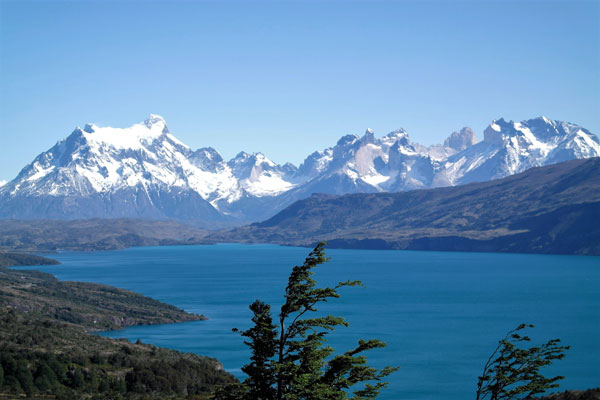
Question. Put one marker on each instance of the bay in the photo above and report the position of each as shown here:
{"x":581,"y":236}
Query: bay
{"x":440,"y":313}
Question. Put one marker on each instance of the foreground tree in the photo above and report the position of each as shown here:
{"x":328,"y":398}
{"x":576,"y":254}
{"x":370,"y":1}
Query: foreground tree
{"x":513,"y":373}
{"x":291,"y":361}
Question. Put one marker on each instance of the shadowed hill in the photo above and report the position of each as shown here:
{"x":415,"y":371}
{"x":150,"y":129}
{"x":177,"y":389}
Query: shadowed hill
{"x":94,"y":234}
{"x":552,"y":209}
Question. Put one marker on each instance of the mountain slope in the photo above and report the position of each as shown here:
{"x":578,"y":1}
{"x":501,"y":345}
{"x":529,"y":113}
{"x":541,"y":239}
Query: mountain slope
{"x":144,"y":172}
{"x":512,"y":147}
{"x":139,"y":172}
{"x":552,"y":209}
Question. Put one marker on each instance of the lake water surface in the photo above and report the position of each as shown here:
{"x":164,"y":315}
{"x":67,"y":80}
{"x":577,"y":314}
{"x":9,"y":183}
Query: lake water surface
{"x":440,"y":313}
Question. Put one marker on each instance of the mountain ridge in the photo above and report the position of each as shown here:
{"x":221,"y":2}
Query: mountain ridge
{"x":145,"y":172}
{"x":550,"y":209}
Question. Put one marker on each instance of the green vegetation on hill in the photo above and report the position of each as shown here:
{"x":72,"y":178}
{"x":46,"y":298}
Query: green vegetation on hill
{"x":46,"y":351}
{"x":8,"y":259}
{"x":291,"y":359}
{"x":45,"y":358}
{"x":89,"y":305}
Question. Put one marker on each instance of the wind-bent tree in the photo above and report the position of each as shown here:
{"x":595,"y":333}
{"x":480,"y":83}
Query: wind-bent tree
{"x":291,"y":360}
{"x":513,"y":373}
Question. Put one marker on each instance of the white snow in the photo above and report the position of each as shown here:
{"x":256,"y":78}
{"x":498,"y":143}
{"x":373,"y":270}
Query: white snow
{"x":375,"y":179}
{"x":324,"y":160}
{"x":266,"y":185}
{"x":495,"y":126}
{"x":146,"y":156}
{"x":39,"y":172}
{"x":585,"y":141}
{"x":134,"y":137}
{"x":392,"y":137}
{"x":532,"y":139}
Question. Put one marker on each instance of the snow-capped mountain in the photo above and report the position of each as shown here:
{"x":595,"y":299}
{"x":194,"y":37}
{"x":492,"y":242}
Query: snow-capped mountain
{"x":144,"y":171}
{"x":141,"y":171}
{"x":512,"y":147}
{"x":394,"y":163}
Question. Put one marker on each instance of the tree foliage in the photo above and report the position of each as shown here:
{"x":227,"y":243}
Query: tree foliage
{"x":291,"y":360}
{"x":512,"y":372}
{"x":40,"y":358}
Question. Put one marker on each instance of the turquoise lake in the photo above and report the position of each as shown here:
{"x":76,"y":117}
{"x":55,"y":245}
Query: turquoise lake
{"x":441,"y":314}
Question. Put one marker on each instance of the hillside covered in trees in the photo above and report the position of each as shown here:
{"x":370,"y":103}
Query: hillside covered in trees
{"x":47,"y":352}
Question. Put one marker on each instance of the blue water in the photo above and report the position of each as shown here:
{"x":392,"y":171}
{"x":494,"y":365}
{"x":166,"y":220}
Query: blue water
{"x":440,"y":313}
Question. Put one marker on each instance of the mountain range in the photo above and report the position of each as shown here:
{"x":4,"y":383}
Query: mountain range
{"x":144,"y":172}
{"x":552,"y":209}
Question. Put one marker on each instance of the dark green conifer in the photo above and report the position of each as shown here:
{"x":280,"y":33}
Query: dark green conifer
{"x":514,"y":373}
{"x":289,"y":361}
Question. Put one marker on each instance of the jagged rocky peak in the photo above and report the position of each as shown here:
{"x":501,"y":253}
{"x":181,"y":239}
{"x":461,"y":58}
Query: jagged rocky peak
{"x":315,"y":163}
{"x":112,"y":164}
{"x":209,"y":154}
{"x":133,"y":137}
{"x":155,"y":120}
{"x":397,"y":136}
{"x":540,"y":128}
{"x":493,"y":132}
{"x":460,"y":140}
{"x":207,"y":159}
{"x":289,"y":169}
{"x":250,"y":159}
{"x":369,"y":136}
{"x":245,"y":165}
{"x":347,"y":140}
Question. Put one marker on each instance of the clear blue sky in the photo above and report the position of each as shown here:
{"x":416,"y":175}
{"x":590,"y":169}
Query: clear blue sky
{"x":287,"y":78}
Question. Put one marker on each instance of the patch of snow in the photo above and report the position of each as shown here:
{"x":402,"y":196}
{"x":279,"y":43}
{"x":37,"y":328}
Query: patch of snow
{"x":135,"y":137}
{"x":531,"y":138}
{"x":40,"y":172}
{"x":260,"y":159}
{"x":375,"y":179}
{"x":586,"y":141}
{"x":495,"y":126}
{"x":266,"y":185}
{"x":392,"y":137}
{"x":352,"y":174}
